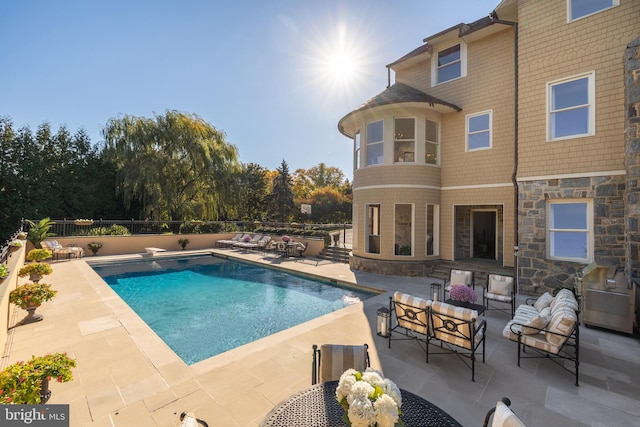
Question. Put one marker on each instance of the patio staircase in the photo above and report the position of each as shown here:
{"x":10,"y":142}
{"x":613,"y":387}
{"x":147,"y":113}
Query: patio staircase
{"x":335,"y":254}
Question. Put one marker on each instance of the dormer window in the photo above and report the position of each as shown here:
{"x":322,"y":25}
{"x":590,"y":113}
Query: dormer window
{"x":449,"y":64}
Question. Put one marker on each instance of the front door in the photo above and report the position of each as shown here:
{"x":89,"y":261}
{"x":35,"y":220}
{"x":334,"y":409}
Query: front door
{"x":483,"y":232}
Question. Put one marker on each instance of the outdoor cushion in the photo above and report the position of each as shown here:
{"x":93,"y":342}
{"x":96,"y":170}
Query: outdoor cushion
{"x":543,"y":301}
{"x":561,"y":323}
{"x":564,"y":298}
{"x":537,"y":323}
{"x":500,"y":285}
{"x":504,"y":417}
{"x":335,"y":359}
{"x":461,"y":337}
{"x":404,"y":312}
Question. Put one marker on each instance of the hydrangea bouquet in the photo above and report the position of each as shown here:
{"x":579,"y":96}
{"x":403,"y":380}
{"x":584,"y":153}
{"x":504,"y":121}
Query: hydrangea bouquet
{"x":463,"y":293}
{"x":369,"y":399}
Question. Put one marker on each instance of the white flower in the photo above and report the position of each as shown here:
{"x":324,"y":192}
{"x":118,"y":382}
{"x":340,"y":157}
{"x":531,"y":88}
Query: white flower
{"x":344,"y":386}
{"x":360,"y":391}
{"x":386,"y":411}
{"x":374,"y":378}
{"x":393,"y":391}
{"x":361,"y":412}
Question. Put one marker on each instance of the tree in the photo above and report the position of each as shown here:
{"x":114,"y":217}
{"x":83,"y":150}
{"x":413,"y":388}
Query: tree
{"x":252,"y":191}
{"x":329,"y":205}
{"x":281,"y":197}
{"x":174,"y":166}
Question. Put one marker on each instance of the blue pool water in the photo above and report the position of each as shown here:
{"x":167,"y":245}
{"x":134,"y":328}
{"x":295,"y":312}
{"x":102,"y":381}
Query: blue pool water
{"x":204,"y":306}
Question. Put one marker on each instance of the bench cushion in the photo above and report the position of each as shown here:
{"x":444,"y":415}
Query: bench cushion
{"x":408,"y":308}
{"x":543,"y":301}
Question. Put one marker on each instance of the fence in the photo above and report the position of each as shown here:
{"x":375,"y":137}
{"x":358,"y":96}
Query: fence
{"x":5,"y":250}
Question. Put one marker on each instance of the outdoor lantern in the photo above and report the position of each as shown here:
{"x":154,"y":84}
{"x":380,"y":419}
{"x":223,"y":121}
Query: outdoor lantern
{"x":435,"y":291}
{"x":383,"y":322}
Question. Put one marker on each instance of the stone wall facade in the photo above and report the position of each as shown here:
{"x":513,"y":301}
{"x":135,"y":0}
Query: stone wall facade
{"x":537,"y":273}
{"x":632,"y":158}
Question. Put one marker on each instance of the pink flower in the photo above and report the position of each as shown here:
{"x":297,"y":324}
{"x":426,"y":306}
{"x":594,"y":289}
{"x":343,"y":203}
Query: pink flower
{"x":462,"y":293}
{"x":286,"y":238}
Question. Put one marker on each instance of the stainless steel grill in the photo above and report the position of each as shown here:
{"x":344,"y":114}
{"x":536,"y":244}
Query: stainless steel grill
{"x":608,"y":298}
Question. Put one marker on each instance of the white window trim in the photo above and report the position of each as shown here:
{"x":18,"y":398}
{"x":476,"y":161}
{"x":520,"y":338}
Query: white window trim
{"x":357,"y":150}
{"x":435,"y":242}
{"x":413,"y":229}
{"x":437,"y":143}
{"x":591,"y":76}
{"x":415,"y":131}
{"x":615,"y":3}
{"x":589,"y":230}
{"x":369,"y":144}
{"x":466,"y":133}
{"x":463,"y":63}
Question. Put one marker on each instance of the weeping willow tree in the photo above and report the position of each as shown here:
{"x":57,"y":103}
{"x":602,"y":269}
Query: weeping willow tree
{"x":173,"y":166}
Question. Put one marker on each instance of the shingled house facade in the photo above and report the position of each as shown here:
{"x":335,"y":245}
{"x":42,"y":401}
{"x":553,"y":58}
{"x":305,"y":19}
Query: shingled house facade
{"x":509,"y":139}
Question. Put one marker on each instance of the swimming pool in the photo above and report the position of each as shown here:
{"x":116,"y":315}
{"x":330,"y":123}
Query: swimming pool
{"x":203,"y":306}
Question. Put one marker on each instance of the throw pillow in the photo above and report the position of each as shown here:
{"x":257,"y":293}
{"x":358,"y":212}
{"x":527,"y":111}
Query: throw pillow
{"x":534,"y":325}
{"x":543,"y":302}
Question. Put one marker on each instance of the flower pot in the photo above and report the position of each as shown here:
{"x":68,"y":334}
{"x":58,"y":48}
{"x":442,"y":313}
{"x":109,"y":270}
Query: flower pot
{"x":32,"y":317}
{"x":35,"y":277}
{"x":45,"y":393}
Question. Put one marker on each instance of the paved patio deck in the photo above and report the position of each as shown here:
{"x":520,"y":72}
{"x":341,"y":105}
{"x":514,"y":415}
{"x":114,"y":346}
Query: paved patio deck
{"x":126,"y":376}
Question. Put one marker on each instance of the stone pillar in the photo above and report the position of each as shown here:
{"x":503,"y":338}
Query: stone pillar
{"x":632,"y":157}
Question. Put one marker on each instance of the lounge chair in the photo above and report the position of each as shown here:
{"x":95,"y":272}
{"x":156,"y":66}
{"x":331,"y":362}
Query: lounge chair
{"x":331,"y":360}
{"x":225,"y":243}
{"x":247,"y":243}
{"x":57,"y":249}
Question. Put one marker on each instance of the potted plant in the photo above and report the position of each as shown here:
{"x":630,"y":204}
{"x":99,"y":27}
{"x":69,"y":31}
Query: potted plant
{"x":95,"y":247}
{"x":463,"y":293}
{"x":22,"y":235}
{"x":83,"y":222}
{"x":183,"y":243}
{"x":14,"y":245}
{"x":38,"y":255}
{"x":4,"y":272}
{"x":35,"y":271}
{"x":29,"y":297}
{"x":39,"y":231}
{"x":28,"y":382}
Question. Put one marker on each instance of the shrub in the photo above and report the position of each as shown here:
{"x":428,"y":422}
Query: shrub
{"x":39,"y":268}
{"x":38,"y":255}
{"x":4,"y":272}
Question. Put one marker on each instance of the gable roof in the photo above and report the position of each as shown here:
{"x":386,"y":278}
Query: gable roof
{"x":399,"y":93}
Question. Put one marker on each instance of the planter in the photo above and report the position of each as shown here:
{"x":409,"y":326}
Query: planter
{"x":82,"y":222}
{"x":32,"y":317}
{"x":45,"y":393}
{"x":35,"y":277}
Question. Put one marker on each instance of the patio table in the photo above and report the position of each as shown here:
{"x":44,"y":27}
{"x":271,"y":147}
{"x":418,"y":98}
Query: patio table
{"x":317,"y":406}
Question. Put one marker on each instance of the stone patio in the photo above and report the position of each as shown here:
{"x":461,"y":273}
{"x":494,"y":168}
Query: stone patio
{"x":126,"y":376}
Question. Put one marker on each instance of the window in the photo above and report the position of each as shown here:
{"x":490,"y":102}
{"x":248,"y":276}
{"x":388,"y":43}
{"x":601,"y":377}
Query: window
{"x":356,"y":151}
{"x":404,"y":229}
{"x":431,"y":156}
{"x":479,"y":131}
{"x":571,"y":107}
{"x":373,"y":229}
{"x":433,"y":225}
{"x":569,"y":233}
{"x":404,"y":136}
{"x":449,"y":64}
{"x":577,"y":9}
{"x":374,"y":143}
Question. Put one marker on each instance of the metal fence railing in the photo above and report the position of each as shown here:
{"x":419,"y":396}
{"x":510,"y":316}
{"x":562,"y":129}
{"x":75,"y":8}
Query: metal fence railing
{"x":5,"y":250}
{"x":69,"y":227}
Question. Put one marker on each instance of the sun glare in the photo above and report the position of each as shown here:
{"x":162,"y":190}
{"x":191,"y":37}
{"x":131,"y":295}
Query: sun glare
{"x":342,"y":67}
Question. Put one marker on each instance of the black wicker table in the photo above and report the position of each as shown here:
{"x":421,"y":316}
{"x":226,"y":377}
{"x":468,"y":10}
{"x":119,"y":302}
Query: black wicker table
{"x":317,"y":407}
{"x":477,"y":307}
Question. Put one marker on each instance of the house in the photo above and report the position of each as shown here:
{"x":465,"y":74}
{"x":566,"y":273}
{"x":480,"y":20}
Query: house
{"x":514,"y":138}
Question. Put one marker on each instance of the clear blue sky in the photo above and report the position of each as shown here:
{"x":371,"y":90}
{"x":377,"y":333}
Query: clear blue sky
{"x":255,"y":69}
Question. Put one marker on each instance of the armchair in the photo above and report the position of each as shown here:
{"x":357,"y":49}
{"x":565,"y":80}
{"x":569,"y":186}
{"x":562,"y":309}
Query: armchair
{"x":458,"y":277}
{"x":457,"y":327}
{"x":411,"y":315}
{"x":331,"y":360}
{"x":500,"y":289}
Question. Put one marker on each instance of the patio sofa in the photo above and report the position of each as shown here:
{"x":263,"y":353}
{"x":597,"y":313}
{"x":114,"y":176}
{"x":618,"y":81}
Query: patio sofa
{"x":550,"y":327}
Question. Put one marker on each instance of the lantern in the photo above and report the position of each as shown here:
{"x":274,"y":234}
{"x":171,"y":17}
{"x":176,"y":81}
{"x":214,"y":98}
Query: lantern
{"x":435,"y":291}
{"x":382,"y":325}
